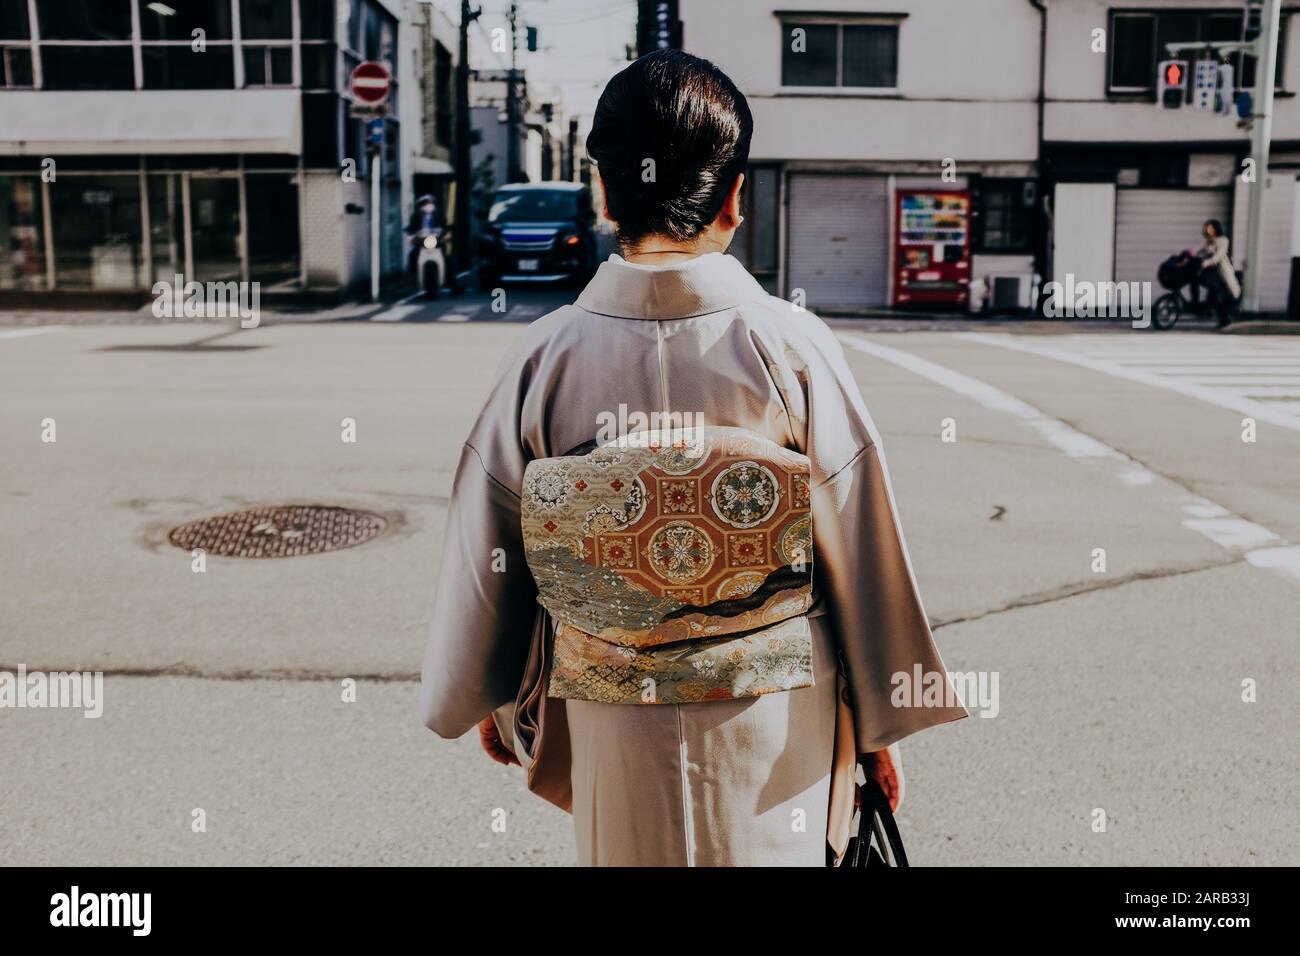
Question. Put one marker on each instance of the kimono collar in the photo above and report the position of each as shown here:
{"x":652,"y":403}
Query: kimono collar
{"x":707,"y":283}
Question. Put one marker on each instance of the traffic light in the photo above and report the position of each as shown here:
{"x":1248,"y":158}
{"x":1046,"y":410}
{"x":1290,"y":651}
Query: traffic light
{"x":1171,"y":84}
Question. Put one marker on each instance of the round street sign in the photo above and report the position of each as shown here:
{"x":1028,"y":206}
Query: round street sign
{"x":370,"y":82}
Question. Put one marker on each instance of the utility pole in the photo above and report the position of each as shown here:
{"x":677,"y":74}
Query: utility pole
{"x":512,"y":99}
{"x":1260,"y":136}
{"x":463,"y":173}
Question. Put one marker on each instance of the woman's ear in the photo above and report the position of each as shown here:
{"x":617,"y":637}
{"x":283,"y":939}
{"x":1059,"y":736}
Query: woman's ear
{"x":731,"y":217}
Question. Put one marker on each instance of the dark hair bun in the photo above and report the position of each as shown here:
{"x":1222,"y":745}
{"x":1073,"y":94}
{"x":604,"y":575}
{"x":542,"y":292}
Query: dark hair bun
{"x":688,"y":118}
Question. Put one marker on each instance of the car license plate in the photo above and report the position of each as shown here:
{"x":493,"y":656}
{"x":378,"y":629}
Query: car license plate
{"x":528,"y":265}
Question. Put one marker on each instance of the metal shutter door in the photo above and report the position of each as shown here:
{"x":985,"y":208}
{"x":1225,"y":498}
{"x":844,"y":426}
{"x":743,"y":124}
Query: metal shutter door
{"x":839,"y":241}
{"x":1152,"y":224}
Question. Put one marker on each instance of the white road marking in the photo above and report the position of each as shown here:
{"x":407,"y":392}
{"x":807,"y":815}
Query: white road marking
{"x":1074,"y":443}
{"x":1285,"y":560}
{"x":1259,"y":546}
{"x":1143,"y":358}
{"x":23,"y":333}
{"x":399,"y":310}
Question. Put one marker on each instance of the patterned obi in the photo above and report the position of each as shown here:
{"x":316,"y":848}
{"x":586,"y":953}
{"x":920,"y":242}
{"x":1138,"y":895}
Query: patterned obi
{"x":677,"y":565}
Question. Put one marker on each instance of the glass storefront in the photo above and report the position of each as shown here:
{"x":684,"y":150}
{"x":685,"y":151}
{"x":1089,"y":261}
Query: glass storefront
{"x":96,"y":225}
{"x":272,"y":203}
{"x":166,"y":226}
{"x":23,"y":250}
{"x":102,"y":237}
{"x":214,"y":229}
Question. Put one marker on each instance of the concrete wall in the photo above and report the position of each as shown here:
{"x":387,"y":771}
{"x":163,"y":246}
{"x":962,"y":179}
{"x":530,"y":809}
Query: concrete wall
{"x":972,"y":101}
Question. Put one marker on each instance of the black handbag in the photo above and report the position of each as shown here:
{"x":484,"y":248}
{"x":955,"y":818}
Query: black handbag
{"x":878,"y":842}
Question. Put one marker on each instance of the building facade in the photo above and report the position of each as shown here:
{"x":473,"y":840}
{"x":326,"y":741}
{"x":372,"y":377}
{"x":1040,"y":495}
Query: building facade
{"x":1131,"y":183}
{"x":882,"y":137}
{"x":207,"y":138}
{"x":908,"y":152}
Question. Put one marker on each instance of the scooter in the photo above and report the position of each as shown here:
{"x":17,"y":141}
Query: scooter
{"x":429,"y":260}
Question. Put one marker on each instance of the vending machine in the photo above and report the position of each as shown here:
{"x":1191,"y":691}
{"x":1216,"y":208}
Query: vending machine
{"x":932,"y":248}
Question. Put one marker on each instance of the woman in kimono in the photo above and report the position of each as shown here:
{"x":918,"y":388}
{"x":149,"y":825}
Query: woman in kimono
{"x":707,"y":687}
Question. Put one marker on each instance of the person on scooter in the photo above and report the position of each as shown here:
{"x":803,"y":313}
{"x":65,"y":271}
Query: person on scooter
{"x":422,"y":222}
{"x":1217,"y":272}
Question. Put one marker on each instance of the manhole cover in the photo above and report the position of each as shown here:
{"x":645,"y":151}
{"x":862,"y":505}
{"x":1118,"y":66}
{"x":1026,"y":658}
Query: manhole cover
{"x":281,"y":532}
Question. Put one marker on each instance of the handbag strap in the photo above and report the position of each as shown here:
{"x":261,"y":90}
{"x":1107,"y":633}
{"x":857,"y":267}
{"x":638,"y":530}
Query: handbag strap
{"x":875,"y":817}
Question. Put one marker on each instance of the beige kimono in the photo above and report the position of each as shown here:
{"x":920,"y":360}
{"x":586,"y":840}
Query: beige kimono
{"x":716,"y":782}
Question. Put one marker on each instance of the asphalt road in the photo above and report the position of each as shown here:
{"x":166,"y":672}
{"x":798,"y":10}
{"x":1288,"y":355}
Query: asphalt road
{"x":1120,"y":691}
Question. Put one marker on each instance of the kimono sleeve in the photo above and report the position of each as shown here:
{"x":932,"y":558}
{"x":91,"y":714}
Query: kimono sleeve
{"x":484,"y":607}
{"x":896,"y":678}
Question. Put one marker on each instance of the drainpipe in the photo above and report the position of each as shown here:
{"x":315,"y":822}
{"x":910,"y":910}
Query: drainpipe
{"x":1042,"y":260}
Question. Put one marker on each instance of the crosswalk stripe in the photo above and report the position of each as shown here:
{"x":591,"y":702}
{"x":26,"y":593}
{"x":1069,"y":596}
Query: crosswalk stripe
{"x":1259,"y":546}
{"x":1250,"y":377}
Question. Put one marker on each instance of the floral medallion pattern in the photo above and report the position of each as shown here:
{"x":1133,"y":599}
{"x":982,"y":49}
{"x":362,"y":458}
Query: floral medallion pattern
{"x":663,"y":542}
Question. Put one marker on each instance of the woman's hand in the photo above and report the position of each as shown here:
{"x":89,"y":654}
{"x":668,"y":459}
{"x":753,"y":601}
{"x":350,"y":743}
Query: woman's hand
{"x":490,"y":738}
{"x":885,"y":767}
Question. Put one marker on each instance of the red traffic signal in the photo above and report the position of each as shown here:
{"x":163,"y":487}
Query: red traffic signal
{"x":1171,"y":84}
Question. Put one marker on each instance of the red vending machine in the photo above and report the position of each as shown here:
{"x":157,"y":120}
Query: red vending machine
{"x":932,"y":248}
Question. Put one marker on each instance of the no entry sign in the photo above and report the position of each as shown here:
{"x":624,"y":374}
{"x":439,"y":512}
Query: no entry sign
{"x":370,"y":82}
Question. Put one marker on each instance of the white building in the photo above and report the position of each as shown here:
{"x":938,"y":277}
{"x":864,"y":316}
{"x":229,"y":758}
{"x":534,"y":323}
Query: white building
{"x":209,"y":138}
{"x":856,"y":104}
{"x":1134,"y":183}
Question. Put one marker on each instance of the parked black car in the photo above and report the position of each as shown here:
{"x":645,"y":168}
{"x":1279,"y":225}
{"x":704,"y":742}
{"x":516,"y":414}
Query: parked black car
{"x":538,"y":232}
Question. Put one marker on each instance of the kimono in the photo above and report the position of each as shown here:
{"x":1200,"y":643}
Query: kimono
{"x":707,"y":776}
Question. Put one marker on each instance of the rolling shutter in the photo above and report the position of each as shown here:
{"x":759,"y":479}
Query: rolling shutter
{"x":1152,"y":224}
{"x":839,"y":240}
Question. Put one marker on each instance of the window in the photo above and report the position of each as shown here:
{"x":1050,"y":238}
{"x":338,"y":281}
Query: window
{"x":106,"y":67}
{"x":268,"y":66}
{"x":265,"y":20}
{"x":320,"y":131}
{"x":1004,"y":210}
{"x":96,"y":225}
{"x":317,"y":19}
{"x":15,"y":58}
{"x":870,"y":55}
{"x":15,"y":66}
{"x":84,"y":19}
{"x":181,"y":68}
{"x":318,"y":64}
{"x":178,"y":19}
{"x":13,"y":22}
{"x":1138,"y":44}
{"x":273,"y":248}
{"x":349,"y":24}
{"x":853,"y":54}
{"x":22,"y":244}
{"x":1132,"y":66}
